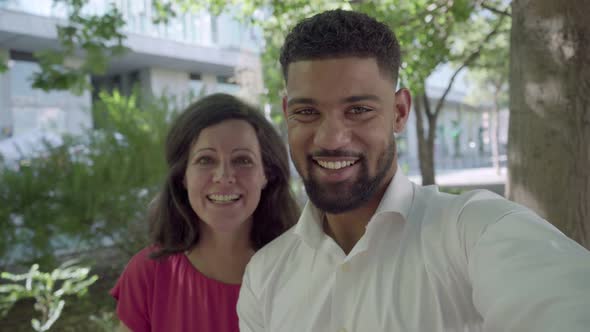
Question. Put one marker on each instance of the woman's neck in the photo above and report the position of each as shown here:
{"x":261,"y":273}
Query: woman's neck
{"x":222,"y":256}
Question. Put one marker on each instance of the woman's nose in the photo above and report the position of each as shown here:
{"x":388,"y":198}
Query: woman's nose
{"x":224,"y":173}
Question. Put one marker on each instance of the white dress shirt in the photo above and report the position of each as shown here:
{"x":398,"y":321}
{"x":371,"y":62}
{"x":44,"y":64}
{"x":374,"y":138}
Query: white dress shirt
{"x":428,"y":262}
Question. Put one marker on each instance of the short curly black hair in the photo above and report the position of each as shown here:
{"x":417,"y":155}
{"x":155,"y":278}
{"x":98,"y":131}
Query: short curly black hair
{"x":340,"y":33}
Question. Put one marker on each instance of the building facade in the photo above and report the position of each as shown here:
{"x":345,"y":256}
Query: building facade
{"x":193,"y":54}
{"x":465,"y":134}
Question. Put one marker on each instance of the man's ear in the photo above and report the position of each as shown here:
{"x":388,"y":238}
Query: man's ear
{"x":403,"y":104}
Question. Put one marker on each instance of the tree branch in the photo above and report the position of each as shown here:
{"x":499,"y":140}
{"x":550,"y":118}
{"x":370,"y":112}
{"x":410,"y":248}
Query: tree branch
{"x":495,"y":10}
{"x":427,"y":108}
{"x":470,"y":59}
{"x":419,"y":124}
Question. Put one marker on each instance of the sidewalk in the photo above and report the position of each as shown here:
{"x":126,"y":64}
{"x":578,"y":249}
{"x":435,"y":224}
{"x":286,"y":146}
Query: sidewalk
{"x":472,"y":178}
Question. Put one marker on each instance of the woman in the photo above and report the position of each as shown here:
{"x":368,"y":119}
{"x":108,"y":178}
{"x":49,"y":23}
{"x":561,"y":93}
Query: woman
{"x":226,"y":195}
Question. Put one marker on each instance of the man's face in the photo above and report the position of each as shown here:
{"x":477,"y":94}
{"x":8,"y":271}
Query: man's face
{"x":341,"y":115}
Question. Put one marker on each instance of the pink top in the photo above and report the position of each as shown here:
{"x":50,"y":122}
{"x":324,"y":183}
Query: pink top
{"x":170,"y":294}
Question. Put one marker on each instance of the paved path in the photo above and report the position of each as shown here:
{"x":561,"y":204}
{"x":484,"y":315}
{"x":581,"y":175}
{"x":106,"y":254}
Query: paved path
{"x":472,"y":178}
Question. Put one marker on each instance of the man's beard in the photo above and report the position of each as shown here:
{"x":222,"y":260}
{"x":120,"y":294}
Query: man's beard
{"x":341,"y":197}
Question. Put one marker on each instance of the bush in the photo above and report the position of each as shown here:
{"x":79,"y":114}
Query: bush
{"x":90,"y":191}
{"x":47,"y":289}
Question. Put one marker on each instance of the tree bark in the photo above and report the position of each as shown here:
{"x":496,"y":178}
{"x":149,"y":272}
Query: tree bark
{"x":549,"y":132}
{"x":425,"y":142}
{"x":495,"y":129}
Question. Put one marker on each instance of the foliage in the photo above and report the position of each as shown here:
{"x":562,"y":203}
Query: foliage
{"x":424,"y":28}
{"x":430,"y":33}
{"x":3,"y":64}
{"x":47,"y":289}
{"x":106,"y":321}
{"x":90,"y":191}
{"x":490,"y":72}
{"x":98,"y":37}
{"x":452,"y":190}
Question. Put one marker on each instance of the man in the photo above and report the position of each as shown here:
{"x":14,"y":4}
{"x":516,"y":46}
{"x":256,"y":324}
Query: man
{"x":371,"y":250}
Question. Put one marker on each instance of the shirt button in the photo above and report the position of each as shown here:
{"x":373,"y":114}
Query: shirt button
{"x":345,"y":268}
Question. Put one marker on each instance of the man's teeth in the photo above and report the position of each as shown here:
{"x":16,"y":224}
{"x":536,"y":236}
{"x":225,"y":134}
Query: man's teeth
{"x":335,"y":164}
{"x":223,"y":198}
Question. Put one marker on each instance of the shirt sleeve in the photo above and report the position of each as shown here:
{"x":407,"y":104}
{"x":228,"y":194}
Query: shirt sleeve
{"x":249,"y":307}
{"x":133,"y":292}
{"x":527,"y":276}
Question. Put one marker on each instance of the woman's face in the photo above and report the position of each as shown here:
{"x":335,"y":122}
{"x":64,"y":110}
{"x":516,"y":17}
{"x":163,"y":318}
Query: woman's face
{"x":225,"y":176}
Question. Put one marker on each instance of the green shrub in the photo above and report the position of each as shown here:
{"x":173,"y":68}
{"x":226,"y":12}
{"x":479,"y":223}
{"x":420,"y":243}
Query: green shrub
{"x":49,"y":290}
{"x":91,"y":191}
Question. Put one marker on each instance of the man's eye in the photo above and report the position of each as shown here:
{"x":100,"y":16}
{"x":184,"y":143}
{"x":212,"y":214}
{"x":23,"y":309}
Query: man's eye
{"x":304,"y":114}
{"x":305,"y":111}
{"x":360,"y":110}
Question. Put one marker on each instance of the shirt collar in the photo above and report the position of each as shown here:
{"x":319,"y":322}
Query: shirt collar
{"x":398,"y":198}
{"x":310,"y":227}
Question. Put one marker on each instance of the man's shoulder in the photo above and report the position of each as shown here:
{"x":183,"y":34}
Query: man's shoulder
{"x":469,"y":214}
{"x":485,"y":205}
{"x":454,"y":207}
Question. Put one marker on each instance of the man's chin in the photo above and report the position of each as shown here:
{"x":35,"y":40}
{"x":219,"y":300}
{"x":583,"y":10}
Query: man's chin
{"x":332,"y":198}
{"x":334,"y":205}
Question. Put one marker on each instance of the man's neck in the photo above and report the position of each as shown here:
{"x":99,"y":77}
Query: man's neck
{"x":348,"y":228}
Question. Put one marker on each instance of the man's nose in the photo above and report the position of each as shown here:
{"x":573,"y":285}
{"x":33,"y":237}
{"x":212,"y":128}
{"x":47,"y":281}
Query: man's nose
{"x":332,"y":134}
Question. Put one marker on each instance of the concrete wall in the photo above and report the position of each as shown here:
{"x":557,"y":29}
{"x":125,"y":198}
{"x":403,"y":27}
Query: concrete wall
{"x":6,"y":118}
{"x":33,"y":109}
{"x":168,"y":82}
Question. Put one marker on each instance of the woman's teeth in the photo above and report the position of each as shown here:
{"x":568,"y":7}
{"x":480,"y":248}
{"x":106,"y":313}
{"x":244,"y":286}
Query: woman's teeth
{"x":223,"y":198}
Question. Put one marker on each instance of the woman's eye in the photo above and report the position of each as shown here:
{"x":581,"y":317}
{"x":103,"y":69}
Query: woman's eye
{"x":243,"y":161}
{"x":204,"y":161}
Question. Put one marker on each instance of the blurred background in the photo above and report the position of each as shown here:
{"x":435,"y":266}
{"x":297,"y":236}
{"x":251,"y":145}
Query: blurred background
{"x":88,"y":89}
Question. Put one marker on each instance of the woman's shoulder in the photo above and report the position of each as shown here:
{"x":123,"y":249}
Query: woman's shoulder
{"x":139,"y":266}
{"x":143,"y":261}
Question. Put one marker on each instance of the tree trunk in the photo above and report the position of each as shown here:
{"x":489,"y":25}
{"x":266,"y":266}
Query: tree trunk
{"x":425,"y":143}
{"x":495,"y":132}
{"x":549,"y":133}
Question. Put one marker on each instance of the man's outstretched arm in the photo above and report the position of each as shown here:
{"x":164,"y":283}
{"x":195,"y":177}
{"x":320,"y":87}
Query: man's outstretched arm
{"x":528,"y":276}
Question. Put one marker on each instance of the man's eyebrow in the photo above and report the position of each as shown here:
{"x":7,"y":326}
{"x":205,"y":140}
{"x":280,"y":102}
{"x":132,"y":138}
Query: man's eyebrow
{"x":347,"y":100}
{"x":354,"y":99}
{"x":301,"y":100}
